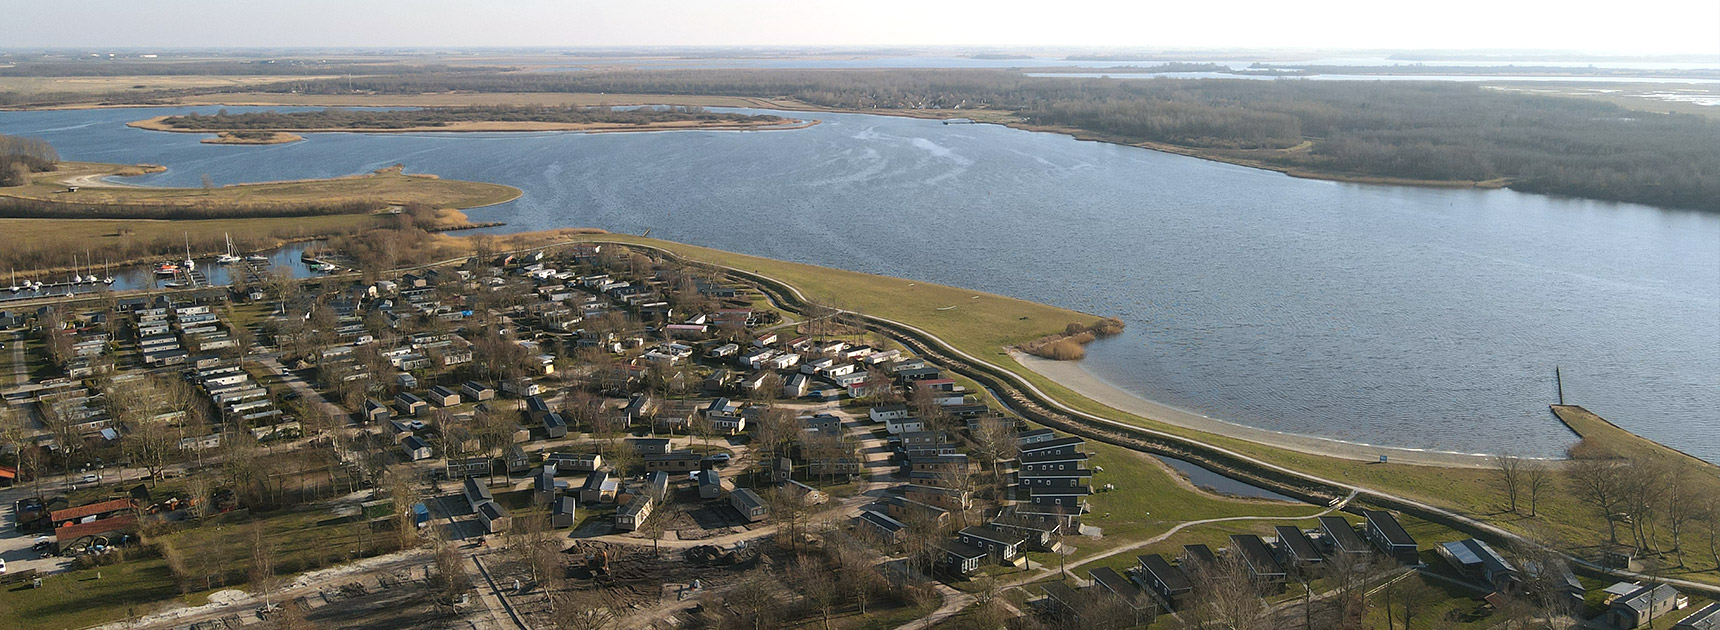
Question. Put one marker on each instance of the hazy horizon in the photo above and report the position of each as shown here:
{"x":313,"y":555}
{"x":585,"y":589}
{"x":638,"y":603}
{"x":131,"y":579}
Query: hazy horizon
{"x":1653,"y":28}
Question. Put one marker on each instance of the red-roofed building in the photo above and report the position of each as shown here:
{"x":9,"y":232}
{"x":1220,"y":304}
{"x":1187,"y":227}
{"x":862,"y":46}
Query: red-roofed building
{"x":98,"y":510}
{"x":8,"y":475}
{"x":96,"y":527}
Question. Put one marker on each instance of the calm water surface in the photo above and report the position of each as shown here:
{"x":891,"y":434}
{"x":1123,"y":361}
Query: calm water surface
{"x":1424,"y":318}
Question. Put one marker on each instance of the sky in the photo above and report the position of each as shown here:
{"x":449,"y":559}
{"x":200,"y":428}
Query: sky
{"x":1643,"y":27}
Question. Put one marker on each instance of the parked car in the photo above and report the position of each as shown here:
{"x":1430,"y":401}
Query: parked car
{"x":91,"y":478}
{"x":2,"y":566}
{"x":720,"y":460}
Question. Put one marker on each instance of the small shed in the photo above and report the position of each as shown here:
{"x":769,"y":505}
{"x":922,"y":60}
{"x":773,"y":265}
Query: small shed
{"x":554,"y":426}
{"x":416,"y":448}
{"x":493,"y":517}
{"x":562,"y":512}
{"x":710,"y":484}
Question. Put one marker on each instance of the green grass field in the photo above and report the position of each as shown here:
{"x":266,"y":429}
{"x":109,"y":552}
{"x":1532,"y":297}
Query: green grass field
{"x":78,"y":599}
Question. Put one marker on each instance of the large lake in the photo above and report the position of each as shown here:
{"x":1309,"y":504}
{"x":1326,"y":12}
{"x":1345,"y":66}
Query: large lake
{"x":1414,"y":317}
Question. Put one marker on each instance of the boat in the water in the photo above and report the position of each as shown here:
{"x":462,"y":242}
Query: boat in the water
{"x":167,"y":269}
{"x":257,"y":258}
{"x":229,"y":257}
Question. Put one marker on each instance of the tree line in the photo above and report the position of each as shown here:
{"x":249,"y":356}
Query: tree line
{"x":107,"y":68}
{"x":21,"y":208}
{"x":19,"y":157}
{"x":1423,"y":130}
{"x":443,"y":116}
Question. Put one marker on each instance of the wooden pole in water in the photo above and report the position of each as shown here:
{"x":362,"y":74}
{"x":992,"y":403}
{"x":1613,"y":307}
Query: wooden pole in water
{"x":1559,"y":379}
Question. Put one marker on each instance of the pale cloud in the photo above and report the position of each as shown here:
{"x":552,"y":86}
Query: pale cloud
{"x":1644,"y":27}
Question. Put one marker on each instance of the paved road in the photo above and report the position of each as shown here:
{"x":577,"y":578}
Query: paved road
{"x":15,"y":345}
{"x":303,"y":389}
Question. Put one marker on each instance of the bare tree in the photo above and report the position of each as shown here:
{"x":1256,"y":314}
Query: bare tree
{"x":450,"y":579}
{"x":1537,"y":481}
{"x":263,"y":578}
{"x":582,"y":610}
{"x":1413,"y":596}
{"x":814,"y":581}
{"x":1226,"y":597}
{"x":1600,"y":484}
{"x":857,"y":573}
{"x":1679,"y":506}
{"x":1509,"y":477}
{"x":996,"y":441}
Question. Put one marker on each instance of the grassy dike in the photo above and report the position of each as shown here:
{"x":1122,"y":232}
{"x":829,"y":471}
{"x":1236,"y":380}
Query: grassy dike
{"x":983,"y":325}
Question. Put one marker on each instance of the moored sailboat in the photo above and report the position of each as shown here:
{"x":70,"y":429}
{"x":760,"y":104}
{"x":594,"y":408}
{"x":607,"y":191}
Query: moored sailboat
{"x":229,"y":257}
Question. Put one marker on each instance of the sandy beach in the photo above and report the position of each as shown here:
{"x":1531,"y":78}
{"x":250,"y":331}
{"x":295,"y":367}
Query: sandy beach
{"x":1070,"y":374}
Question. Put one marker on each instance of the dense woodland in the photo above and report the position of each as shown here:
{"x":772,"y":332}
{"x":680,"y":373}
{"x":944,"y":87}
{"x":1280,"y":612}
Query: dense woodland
{"x":19,"y":208}
{"x":109,"y":68}
{"x":19,"y":157}
{"x":1431,"y":130}
{"x":438,"y":117}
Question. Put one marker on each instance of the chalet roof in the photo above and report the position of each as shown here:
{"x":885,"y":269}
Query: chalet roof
{"x":747,"y":498}
{"x":985,"y":532}
{"x":1292,"y":538}
{"x":1173,"y":578}
{"x":1473,"y":551}
{"x":1255,"y":552}
{"x":1051,"y":444}
{"x":1110,"y":580}
{"x":1061,"y":592}
{"x":961,"y":549}
{"x":882,"y":521}
{"x":1051,"y":457}
{"x":1640,"y":599}
{"x":1389,"y":527}
{"x":1043,"y":491}
{"x":95,"y":527}
{"x":103,"y":507}
{"x":634,"y":507}
{"x":491,"y":510}
{"x":1055,"y":474}
{"x":1706,"y":618}
{"x":476,"y":490}
{"x":1200,"y":553}
{"x":1342,"y":533}
{"x":566,"y":505}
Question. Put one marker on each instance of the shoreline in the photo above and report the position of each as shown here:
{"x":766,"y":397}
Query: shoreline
{"x":1071,"y":375}
{"x":290,"y":135}
{"x":992,"y":117}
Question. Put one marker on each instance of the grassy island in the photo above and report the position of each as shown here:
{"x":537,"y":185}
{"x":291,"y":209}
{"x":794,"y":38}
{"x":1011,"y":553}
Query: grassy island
{"x":71,"y":207}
